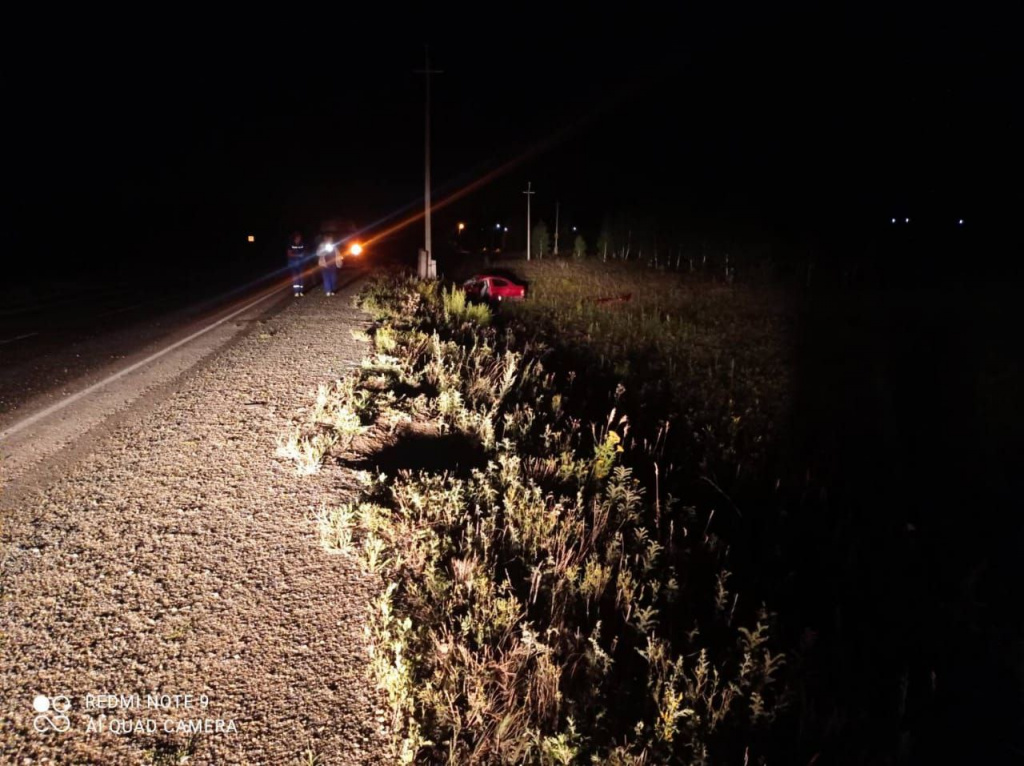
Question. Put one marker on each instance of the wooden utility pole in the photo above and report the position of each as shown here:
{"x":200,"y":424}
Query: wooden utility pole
{"x":426,"y":72}
{"x":529,"y":234}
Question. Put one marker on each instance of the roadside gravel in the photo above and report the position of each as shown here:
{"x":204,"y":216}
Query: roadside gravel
{"x":180,"y":557}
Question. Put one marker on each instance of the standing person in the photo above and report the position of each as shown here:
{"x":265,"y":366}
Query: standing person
{"x":296,"y":263}
{"x":328,"y":262}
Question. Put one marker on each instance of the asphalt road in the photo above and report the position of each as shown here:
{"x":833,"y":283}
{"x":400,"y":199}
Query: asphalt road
{"x":48,"y":344}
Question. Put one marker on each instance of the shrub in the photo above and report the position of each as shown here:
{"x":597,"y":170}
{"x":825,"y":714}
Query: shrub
{"x":458,"y":309}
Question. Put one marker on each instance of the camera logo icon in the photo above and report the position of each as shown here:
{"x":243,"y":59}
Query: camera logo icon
{"x":52,"y":713}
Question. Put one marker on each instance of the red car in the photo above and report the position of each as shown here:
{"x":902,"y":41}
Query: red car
{"x":489,"y":287}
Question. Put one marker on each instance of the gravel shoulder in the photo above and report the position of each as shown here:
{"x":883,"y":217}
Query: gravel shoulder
{"x":178,"y":556}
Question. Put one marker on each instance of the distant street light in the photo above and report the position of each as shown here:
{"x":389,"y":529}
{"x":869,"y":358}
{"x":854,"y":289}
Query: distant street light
{"x":253,"y":239}
{"x":462,"y":226}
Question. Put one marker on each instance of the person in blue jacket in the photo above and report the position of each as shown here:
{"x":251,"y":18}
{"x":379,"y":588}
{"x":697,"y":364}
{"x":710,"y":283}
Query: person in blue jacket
{"x":297,"y":253}
{"x":328,"y":257}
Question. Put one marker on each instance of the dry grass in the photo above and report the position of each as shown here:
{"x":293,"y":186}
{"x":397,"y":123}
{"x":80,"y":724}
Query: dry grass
{"x":523,"y":602}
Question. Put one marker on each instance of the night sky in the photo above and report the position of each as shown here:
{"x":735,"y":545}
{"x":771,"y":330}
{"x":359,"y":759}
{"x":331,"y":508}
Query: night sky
{"x":180,"y":135}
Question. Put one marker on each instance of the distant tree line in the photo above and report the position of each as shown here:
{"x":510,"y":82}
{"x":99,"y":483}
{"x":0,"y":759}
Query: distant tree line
{"x":809,"y":253}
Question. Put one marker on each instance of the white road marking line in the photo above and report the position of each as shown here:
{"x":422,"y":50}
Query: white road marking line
{"x":20,"y":337}
{"x":33,"y":419}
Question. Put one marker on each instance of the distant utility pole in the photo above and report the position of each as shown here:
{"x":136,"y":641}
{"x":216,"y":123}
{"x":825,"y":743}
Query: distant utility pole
{"x":426,"y":72}
{"x":529,"y":233}
{"x":556,"y":229}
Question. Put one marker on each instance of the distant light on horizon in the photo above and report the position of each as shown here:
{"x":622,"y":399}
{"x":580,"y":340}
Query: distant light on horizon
{"x":497,"y":226}
{"x":894,"y":220}
{"x":960,"y":222}
{"x":906,"y":220}
{"x":252,"y":238}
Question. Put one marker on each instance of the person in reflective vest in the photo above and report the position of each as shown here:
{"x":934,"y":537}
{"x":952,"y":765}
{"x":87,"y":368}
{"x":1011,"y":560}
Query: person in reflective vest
{"x":328,"y":261}
{"x":297,"y":263}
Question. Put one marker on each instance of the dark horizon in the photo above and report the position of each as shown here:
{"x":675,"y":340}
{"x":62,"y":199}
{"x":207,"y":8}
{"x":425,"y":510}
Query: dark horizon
{"x":784,"y":126}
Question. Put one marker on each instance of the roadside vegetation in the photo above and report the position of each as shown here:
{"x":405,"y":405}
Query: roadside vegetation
{"x":543,"y":598}
{"x":603,"y":534}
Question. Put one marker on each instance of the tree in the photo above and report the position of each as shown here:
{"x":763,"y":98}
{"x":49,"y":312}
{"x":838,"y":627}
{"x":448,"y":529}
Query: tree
{"x":604,"y":240}
{"x":579,"y":247}
{"x":540,"y":239}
